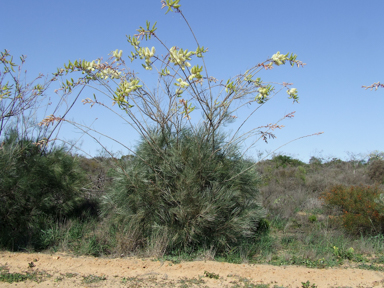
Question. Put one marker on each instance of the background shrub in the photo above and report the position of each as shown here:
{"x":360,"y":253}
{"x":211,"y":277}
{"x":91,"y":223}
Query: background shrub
{"x":376,"y":170}
{"x":361,"y":210}
{"x":285,"y":161}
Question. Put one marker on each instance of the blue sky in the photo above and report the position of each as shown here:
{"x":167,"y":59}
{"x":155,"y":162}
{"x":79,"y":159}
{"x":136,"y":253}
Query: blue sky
{"x":340,"y":41}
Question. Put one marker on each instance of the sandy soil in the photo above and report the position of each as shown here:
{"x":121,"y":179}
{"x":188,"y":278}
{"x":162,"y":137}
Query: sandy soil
{"x":70,"y":271}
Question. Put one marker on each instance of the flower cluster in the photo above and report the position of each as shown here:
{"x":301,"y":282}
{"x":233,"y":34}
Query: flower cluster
{"x":264,"y":92}
{"x":279,"y":59}
{"x":196,"y":70}
{"x":145,"y":53}
{"x":181,"y":84}
{"x":104,"y":71}
{"x":293,"y":94}
{"x":124,"y":89}
{"x":108,"y":73}
{"x":180,"y":57}
{"x":117,"y":54}
{"x":127,"y":87}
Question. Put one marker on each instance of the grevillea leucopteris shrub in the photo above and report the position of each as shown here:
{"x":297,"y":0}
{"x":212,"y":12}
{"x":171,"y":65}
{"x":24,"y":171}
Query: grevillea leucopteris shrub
{"x":188,"y":184}
{"x":179,"y":185}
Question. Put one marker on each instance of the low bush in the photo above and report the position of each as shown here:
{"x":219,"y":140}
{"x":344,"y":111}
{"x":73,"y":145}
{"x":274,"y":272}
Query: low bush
{"x":360,"y":206}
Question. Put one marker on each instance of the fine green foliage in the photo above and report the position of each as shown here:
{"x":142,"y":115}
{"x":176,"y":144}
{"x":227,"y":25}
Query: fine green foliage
{"x":37,"y":188}
{"x":360,"y":206}
{"x":177,"y":189}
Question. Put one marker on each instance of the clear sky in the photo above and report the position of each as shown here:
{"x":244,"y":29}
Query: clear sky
{"x":340,"y":41}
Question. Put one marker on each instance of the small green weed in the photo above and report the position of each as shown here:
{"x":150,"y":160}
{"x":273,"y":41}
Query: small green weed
{"x":38,"y":277}
{"x":211,"y":275}
{"x":191,"y":281}
{"x":31,"y":265}
{"x":14,"y":277}
{"x":256,"y":285}
{"x":307,"y":285}
{"x":312,"y":218}
{"x":360,"y":258}
{"x":245,"y":283}
{"x":279,"y":223}
{"x":286,"y":240}
{"x":172,"y":259}
{"x":371,"y":267}
{"x":130,"y":279}
{"x":93,"y":279}
{"x":343,"y":254}
{"x":379,"y":259}
{"x":295,"y":260}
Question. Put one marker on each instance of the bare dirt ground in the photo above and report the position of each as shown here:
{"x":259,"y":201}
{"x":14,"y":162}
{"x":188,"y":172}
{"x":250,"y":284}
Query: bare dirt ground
{"x":70,"y":271}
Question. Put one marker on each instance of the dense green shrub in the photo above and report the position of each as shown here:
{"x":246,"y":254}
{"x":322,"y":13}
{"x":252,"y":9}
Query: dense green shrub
{"x":285,"y":161}
{"x":37,"y":188}
{"x":176,"y":187}
{"x":360,"y":206}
